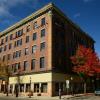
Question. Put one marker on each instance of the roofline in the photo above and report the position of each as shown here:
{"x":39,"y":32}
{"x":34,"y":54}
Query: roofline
{"x":50,"y":5}
{"x":36,"y":13}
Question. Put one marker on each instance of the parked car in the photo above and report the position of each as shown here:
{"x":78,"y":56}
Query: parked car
{"x":97,"y":92}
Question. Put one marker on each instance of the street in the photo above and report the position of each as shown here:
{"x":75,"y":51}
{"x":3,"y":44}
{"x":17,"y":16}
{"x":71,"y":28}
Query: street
{"x":90,"y":97}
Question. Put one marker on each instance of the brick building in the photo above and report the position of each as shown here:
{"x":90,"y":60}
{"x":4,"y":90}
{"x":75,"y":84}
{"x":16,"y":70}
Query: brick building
{"x":37,"y":50}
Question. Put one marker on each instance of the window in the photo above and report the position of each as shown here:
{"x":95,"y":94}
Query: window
{"x":9,"y":56}
{"x":43,"y":21}
{"x":16,"y":67}
{"x":19,"y":33}
{"x":42,"y":32}
{"x":10,"y":45}
{"x":26,"y":51}
{"x":34,"y":48}
{"x":42,"y":46}
{"x":36,"y":87}
{"x":34,"y":36}
{"x":11,"y":36}
{"x":33,"y":64}
{"x":35,"y":25}
{"x":42,"y":62}
{"x":44,"y":87}
{"x":25,"y":65}
{"x":27,"y":39}
{"x":5,"y":47}
{"x":17,"y":54}
{"x":6,"y":39}
{"x":2,"y":41}
{"x":4,"y":57}
{"x":1,"y":49}
{"x":18,"y":43}
{"x":28,"y":28}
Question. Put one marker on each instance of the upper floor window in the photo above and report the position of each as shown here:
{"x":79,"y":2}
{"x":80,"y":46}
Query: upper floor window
{"x":17,"y":54}
{"x":6,"y":39}
{"x":10,"y":45}
{"x":1,"y":48}
{"x":5,"y":47}
{"x":11,"y":36}
{"x":26,"y":51}
{"x":4,"y":57}
{"x":18,"y":43}
{"x":43,"y":21}
{"x":2,"y":41}
{"x":34,"y":48}
{"x":34,"y":36}
{"x":28,"y":28}
{"x":42,"y":46}
{"x":35,"y":25}
{"x":19,"y":33}
{"x":42,"y":62}
{"x":25,"y":65}
{"x":9,"y":56}
{"x":33,"y":61}
{"x":27,"y":39}
{"x":42,"y":32}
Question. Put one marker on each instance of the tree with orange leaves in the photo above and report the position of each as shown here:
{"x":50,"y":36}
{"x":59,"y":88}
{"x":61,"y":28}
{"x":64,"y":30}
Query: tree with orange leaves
{"x":86,"y":63}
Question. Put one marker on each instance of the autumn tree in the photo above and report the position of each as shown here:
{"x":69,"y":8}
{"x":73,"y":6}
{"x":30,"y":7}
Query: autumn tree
{"x":5,"y":72}
{"x":86,"y":63}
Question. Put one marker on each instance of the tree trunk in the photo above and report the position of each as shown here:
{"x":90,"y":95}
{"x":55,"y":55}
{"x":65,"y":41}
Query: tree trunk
{"x":84,"y":87}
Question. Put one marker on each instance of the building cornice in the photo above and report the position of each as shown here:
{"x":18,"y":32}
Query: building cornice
{"x":39,"y":12}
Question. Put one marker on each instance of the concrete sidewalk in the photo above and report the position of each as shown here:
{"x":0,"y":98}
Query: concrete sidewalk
{"x":64,"y":97}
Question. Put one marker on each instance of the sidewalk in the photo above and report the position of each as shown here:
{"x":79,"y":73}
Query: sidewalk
{"x":64,"y":97}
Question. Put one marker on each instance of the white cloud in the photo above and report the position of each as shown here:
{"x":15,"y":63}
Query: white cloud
{"x":6,"y":5}
{"x":77,"y":15}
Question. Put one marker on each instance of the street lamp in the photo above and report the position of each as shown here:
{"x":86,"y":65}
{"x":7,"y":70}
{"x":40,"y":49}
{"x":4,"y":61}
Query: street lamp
{"x":71,"y":85}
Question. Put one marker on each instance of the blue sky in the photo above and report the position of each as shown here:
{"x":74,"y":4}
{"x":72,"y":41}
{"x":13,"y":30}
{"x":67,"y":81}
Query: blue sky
{"x":86,"y":13}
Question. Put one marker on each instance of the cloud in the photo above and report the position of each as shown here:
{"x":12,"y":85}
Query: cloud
{"x":77,"y":15}
{"x":6,"y":5}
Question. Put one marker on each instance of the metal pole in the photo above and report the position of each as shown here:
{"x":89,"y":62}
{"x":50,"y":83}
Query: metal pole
{"x":59,"y":91}
{"x":30,"y":89}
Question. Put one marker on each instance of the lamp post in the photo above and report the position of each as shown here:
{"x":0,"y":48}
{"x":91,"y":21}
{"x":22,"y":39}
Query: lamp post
{"x":71,"y":85}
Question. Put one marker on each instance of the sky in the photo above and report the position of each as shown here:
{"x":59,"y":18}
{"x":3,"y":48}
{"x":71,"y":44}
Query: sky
{"x":85,"y":13}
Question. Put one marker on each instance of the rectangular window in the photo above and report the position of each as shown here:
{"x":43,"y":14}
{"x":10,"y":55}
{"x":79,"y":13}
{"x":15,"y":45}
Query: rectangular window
{"x":19,"y":42}
{"x":42,"y":32}
{"x":2,"y":41}
{"x":34,"y":36}
{"x":35,"y":25}
{"x":25,"y":65}
{"x":4,"y":57}
{"x":10,"y":45}
{"x":27,"y":39}
{"x":34,"y":48}
{"x":42,"y":62}
{"x":11,"y":36}
{"x":44,"y":87}
{"x":43,"y":21}
{"x":1,"y":49}
{"x":6,"y":38}
{"x":42,"y":46}
{"x":19,"y":33}
{"x":5,"y":47}
{"x":28,"y":28}
{"x":36,"y":87}
{"x":9,"y":56}
{"x":33,"y":64}
{"x":26,"y":51}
